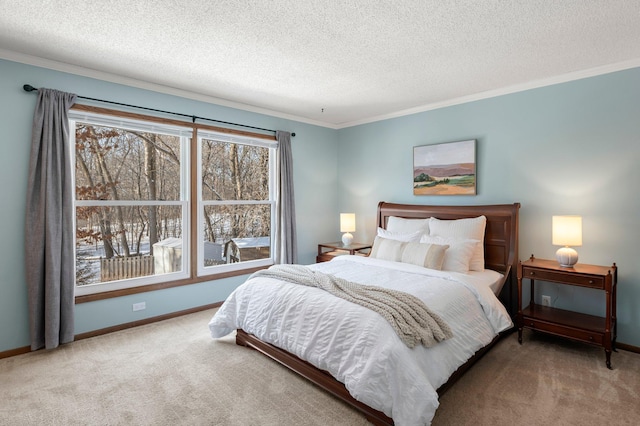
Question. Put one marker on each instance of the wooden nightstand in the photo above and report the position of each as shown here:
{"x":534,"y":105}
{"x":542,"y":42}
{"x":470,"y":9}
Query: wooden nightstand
{"x":574,"y":325}
{"x":328,"y":251}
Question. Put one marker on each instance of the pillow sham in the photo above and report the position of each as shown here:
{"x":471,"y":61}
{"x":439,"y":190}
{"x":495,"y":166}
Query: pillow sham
{"x":463,"y":229}
{"x":407,"y":226}
{"x":426,"y":255}
{"x":458,"y":256}
{"x":400,"y":236}
{"x":387,"y":249}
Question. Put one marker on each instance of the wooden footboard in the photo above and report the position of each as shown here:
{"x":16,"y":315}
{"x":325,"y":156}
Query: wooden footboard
{"x":313,"y":374}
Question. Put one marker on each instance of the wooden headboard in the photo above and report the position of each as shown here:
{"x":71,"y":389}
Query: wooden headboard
{"x":500,"y":239}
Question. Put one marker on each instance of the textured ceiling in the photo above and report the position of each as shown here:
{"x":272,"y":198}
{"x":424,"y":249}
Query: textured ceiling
{"x":329,"y":62}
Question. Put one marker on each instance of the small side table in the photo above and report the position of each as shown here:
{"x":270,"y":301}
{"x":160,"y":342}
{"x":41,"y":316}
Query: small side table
{"x":327,"y":251}
{"x":573,"y":325}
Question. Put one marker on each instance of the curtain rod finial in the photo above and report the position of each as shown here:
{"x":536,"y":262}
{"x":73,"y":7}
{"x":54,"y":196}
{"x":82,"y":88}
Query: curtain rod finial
{"x":29,"y":88}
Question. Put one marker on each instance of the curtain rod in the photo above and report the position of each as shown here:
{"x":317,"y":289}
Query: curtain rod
{"x":30,"y":88}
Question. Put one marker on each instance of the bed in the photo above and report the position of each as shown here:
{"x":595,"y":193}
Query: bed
{"x":350,"y":352}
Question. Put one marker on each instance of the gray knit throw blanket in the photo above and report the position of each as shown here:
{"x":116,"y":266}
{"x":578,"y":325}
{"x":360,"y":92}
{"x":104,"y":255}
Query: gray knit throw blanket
{"x":409,"y":316}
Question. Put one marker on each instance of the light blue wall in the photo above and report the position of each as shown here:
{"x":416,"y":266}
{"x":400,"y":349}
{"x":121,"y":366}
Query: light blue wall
{"x":315,"y":173}
{"x":571,"y":148}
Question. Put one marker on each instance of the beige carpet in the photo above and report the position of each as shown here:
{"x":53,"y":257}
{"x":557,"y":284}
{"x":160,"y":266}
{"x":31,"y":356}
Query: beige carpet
{"x":545,"y":381}
{"x":172,"y":373}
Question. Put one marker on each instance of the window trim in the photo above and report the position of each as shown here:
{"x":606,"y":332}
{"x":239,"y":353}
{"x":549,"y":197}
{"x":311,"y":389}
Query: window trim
{"x":191,"y":199}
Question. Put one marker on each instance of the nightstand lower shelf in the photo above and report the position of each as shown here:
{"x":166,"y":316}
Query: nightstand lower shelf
{"x":565,"y":323}
{"x":573,"y":325}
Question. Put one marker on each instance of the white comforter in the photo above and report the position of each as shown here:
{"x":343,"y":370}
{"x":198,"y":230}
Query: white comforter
{"x":356,"y":345}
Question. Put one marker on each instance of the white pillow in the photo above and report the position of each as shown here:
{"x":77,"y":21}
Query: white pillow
{"x":458,"y":256}
{"x":407,"y":226}
{"x":463,"y":229}
{"x":426,"y":255}
{"x":399,"y":236}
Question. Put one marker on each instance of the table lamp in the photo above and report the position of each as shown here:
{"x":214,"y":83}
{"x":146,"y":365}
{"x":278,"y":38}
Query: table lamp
{"x":347,"y":225}
{"x":567,"y":231}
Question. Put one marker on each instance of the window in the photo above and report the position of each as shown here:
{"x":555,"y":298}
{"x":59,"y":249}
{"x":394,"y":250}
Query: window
{"x":236,"y":202}
{"x":134,"y":207}
{"x":131,"y":202}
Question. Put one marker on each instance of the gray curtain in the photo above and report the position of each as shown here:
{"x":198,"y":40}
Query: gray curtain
{"x":286,"y":241}
{"x":49,"y":223}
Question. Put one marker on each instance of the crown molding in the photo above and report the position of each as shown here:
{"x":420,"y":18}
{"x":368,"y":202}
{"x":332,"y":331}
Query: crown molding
{"x":140,"y":84}
{"x":563,"y":78}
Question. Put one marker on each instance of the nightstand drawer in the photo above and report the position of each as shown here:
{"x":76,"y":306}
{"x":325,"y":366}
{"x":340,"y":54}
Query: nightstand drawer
{"x":564,"y":277}
{"x":560,"y":330}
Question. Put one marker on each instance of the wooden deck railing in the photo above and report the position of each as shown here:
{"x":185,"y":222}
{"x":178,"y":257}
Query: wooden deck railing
{"x":120,"y":268}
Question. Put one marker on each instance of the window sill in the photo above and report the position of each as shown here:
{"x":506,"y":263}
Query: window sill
{"x":161,"y":286}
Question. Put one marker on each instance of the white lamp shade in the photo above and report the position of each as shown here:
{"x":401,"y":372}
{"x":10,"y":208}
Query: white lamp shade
{"x":347,"y":222}
{"x":567,"y":231}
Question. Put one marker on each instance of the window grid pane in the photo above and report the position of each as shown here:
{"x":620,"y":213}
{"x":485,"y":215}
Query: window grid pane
{"x":120,"y":164}
{"x":232,"y":171}
{"x":127,"y":247}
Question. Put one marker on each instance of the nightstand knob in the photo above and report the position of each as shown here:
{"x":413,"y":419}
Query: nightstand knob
{"x":590,"y":281}
{"x":590,"y":337}
{"x":532,"y":273}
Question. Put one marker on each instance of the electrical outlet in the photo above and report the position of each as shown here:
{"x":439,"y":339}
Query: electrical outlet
{"x":546,"y":300}
{"x":139,"y":306}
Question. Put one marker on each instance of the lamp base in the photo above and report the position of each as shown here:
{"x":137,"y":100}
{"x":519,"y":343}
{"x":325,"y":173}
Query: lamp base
{"x":567,"y":257}
{"x":347,"y":239}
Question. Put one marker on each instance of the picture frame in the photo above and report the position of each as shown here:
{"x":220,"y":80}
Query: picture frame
{"x":445,"y":168}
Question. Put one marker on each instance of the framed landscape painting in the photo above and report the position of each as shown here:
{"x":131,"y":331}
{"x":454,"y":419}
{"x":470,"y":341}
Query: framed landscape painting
{"x":445,"y":168}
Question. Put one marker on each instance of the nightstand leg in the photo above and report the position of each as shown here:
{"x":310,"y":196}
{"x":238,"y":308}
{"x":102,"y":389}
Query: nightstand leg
{"x":608,"y":353}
